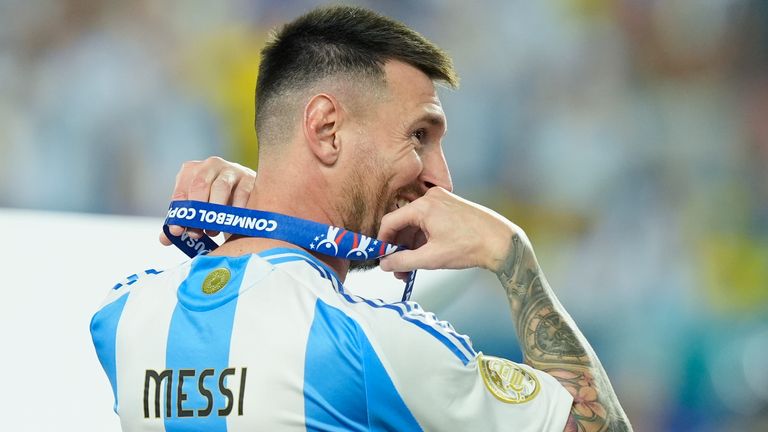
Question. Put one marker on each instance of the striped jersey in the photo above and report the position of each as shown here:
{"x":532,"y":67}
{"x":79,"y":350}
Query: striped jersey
{"x":273,"y":342}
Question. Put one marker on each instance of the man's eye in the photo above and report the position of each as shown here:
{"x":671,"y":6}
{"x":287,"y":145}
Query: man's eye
{"x":419,"y":134}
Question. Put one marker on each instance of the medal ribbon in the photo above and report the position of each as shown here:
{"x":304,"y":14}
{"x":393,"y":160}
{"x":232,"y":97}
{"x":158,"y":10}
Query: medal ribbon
{"x":313,"y":236}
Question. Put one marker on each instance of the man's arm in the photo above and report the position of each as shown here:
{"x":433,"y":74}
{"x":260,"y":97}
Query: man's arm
{"x":551,"y":342}
{"x":462,"y":234}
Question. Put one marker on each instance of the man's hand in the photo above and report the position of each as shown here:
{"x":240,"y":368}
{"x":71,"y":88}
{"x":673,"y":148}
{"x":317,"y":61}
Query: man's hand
{"x":457,"y":234}
{"x":212,"y":180}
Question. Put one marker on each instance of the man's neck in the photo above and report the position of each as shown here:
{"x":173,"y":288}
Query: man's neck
{"x":289,"y":199}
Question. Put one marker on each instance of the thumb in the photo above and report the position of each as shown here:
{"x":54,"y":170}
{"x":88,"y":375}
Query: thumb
{"x":405,"y":260}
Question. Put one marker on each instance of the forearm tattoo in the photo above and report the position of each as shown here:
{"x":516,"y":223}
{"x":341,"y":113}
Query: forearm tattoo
{"x":551,"y":342}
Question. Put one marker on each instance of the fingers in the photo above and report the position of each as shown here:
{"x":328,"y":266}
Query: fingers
{"x":243,"y":189}
{"x":395,"y":222}
{"x":442,"y":230}
{"x":183,"y":179}
{"x":405,"y":226}
{"x":175,"y":230}
{"x":407,"y":237}
{"x":408,"y":260}
{"x":403,"y":276}
{"x":221,"y":187}
{"x":221,"y":191}
{"x":213,"y":180}
{"x":164,"y":239}
{"x":201,"y":187}
{"x":181,"y":192}
{"x":202,"y":181}
{"x":419,"y":239}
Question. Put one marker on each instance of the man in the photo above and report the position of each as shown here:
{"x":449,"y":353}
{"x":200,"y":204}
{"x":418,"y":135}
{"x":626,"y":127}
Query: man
{"x":261,"y":335}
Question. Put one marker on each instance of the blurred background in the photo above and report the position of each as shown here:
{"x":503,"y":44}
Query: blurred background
{"x":629,"y":138}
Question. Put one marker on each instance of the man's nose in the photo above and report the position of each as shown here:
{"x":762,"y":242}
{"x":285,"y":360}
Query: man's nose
{"x":436,"y":172}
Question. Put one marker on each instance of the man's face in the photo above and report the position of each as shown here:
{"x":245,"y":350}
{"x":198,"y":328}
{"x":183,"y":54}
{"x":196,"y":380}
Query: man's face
{"x":399,"y":152}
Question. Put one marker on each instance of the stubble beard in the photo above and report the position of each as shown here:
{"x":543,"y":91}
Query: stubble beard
{"x":364,"y":207}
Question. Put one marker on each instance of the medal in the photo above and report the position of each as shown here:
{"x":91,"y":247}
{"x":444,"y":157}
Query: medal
{"x":312,"y":236}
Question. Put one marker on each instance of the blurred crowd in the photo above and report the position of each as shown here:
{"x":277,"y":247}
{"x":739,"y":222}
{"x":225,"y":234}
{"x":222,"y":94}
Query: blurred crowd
{"x":628,"y":137}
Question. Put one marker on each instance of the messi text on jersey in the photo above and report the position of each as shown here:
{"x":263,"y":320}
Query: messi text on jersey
{"x":211,"y":386}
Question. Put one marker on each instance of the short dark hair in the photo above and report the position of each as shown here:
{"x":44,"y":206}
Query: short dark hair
{"x":341,"y":40}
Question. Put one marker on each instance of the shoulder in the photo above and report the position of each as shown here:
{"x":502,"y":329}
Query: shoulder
{"x":125,"y":286}
{"x":393,"y":325}
{"x":131,"y":279}
{"x":298,"y":268}
{"x":387,"y":325}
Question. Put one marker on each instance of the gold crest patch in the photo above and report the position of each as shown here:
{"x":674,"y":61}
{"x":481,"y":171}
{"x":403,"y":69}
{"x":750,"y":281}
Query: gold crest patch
{"x":508,"y":381}
{"x":216,"y":280}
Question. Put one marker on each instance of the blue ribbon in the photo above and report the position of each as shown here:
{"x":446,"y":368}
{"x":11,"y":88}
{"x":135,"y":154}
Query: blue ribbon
{"x":313,"y":236}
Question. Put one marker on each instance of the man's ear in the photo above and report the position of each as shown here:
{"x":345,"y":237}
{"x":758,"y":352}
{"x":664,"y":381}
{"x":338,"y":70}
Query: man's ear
{"x":322,"y":119}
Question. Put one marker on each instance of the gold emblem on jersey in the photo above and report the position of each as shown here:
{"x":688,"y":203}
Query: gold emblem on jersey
{"x":508,"y":381}
{"x":216,"y":280}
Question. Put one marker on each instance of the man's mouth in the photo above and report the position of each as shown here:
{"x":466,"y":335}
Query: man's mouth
{"x":398,"y":202}
{"x":401,"y":202}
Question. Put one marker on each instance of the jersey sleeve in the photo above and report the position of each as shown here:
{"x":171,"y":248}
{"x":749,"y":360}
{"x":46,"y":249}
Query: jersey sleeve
{"x":104,"y":331}
{"x":448,"y":386}
{"x":104,"y":326}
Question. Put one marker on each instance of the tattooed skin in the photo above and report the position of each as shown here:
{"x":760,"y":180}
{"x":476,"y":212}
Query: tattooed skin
{"x":551,"y":342}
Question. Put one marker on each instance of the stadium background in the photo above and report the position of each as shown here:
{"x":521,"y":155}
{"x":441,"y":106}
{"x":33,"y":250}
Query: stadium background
{"x":628,"y":137}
